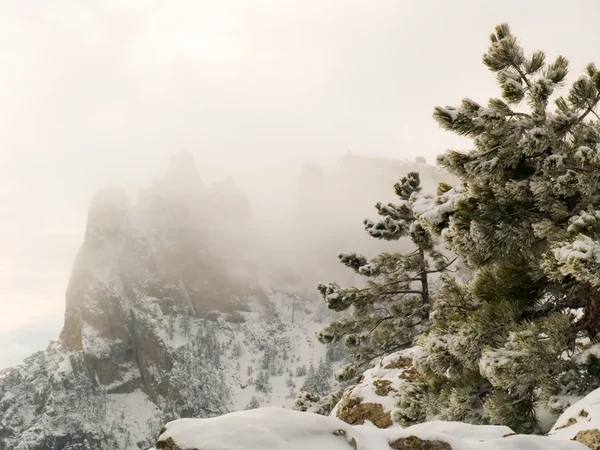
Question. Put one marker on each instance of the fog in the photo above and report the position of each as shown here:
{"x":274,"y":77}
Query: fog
{"x":101,"y":93}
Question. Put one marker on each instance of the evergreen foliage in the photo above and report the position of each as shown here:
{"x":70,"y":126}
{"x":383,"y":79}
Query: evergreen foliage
{"x":194,"y":373}
{"x":301,"y":371}
{"x":335,"y":352}
{"x":253,"y":403}
{"x":391,"y":310}
{"x":525,"y":218}
{"x":318,"y":381}
{"x":263,"y":382}
{"x":308,"y":401}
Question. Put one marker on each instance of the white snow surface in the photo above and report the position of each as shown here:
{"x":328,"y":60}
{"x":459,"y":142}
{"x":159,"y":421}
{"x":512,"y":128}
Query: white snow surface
{"x":582,"y":415}
{"x":133,"y":419}
{"x":283,"y":429}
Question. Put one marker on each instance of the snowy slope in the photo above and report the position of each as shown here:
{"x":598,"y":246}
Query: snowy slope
{"x":280,"y":429}
{"x":50,"y":400}
{"x":581,"y":421}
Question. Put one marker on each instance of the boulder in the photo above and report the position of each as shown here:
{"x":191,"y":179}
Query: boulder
{"x":373,"y":398}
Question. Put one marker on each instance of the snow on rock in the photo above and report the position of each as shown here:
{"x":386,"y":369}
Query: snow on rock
{"x":580,"y":422}
{"x":162,"y":323}
{"x":373,"y":398}
{"x":175,"y":308}
{"x":282,"y":429}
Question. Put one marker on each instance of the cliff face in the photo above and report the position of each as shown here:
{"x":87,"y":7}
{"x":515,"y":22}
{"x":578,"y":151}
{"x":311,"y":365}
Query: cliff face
{"x":176,"y":309}
{"x":162,"y":321}
{"x":141,"y":267}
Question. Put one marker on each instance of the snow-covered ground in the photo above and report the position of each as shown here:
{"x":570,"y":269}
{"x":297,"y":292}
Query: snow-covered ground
{"x":580,"y":421}
{"x":282,"y":429}
{"x":266,"y":341}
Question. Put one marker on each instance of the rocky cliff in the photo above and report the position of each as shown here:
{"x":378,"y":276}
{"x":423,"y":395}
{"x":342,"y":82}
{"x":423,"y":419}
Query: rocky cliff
{"x":167,"y":315}
{"x":176,"y":308}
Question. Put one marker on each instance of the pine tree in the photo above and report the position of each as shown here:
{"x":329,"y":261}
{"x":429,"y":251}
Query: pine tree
{"x":392,"y":309}
{"x":335,"y":352}
{"x":236,"y":352}
{"x":199,"y":382}
{"x":263,"y":382}
{"x":265,"y":359}
{"x":310,"y":384}
{"x":524,"y":218}
{"x":323,"y":377}
{"x":304,"y":401}
{"x":186,"y":325}
{"x":301,"y":371}
{"x":289,"y":382}
{"x":308,"y":401}
{"x":253,"y":404}
{"x":318,"y":381}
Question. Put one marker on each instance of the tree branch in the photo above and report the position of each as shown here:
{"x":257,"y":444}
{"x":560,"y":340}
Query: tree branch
{"x":404,"y":292}
{"x":442,"y":268}
{"x":522,"y":75}
{"x":589,"y":109}
{"x":519,"y":114}
{"x":379,"y":323}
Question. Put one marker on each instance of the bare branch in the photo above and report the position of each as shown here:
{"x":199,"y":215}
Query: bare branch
{"x":589,"y":109}
{"x":442,"y":268}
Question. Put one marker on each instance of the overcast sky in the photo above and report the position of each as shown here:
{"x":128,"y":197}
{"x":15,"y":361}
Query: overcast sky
{"x":94,"y":93}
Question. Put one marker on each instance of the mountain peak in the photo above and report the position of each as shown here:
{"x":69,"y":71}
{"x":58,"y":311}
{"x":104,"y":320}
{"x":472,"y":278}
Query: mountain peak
{"x":107,"y":210}
{"x":182,"y":171}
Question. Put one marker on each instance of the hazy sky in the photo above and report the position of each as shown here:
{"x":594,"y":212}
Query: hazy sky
{"x":94,"y":93}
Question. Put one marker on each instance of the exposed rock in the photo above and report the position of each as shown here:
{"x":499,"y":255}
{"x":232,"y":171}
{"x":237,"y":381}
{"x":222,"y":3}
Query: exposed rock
{"x":161,"y":291}
{"x":581,"y":422}
{"x":571,"y":421}
{"x":383,"y":387}
{"x":351,"y":441}
{"x":154,"y":308}
{"x":590,"y":438}
{"x":415,"y":443}
{"x":373,"y":398}
{"x":169,"y":444}
{"x":400,"y":362}
{"x":353,"y":411}
{"x":182,"y":174}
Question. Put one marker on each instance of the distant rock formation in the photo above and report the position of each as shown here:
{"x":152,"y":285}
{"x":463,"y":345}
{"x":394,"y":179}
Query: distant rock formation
{"x":166,"y":316}
{"x":178,"y":307}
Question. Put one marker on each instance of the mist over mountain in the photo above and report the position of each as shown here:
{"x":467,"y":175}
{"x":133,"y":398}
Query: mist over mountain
{"x":183,"y":303}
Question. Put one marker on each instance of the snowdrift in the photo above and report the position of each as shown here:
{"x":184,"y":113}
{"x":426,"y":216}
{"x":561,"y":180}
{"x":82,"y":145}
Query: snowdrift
{"x":581,"y":421}
{"x":283,"y":429}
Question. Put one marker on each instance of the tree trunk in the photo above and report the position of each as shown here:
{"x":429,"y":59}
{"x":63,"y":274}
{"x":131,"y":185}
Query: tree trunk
{"x":590,"y":322}
{"x":424,"y":282}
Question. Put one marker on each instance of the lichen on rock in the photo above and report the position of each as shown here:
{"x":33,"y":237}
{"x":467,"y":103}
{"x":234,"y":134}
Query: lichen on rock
{"x":372,"y":399}
{"x":352,"y":410}
{"x":416,"y":443}
{"x":590,"y":438}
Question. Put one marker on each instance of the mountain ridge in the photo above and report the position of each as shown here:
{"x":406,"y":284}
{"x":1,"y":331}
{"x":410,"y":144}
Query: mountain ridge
{"x":171,"y":311}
